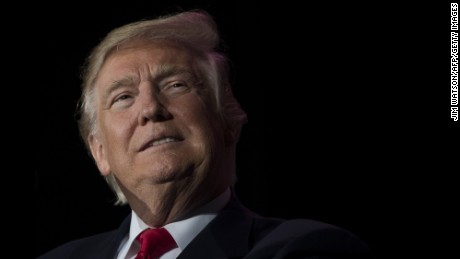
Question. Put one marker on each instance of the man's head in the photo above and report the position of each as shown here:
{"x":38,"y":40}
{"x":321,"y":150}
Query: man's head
{"x":158,"y":111}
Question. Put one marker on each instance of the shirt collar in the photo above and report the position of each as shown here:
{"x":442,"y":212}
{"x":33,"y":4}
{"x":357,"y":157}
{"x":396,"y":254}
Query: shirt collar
{"x":183,"y":231}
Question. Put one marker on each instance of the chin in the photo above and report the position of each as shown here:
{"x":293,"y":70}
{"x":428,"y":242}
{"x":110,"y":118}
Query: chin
{"x":160,"y":177}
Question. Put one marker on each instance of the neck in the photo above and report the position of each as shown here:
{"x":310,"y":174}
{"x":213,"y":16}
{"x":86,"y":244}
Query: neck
{"x":169,"y":202}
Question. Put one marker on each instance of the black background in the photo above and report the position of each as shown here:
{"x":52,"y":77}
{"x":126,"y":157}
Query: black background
{"x":345,"y":125}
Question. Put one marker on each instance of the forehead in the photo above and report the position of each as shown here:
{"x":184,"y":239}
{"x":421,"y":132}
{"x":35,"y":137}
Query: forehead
{"x":143,"y":59}
{"x":141,"y":53}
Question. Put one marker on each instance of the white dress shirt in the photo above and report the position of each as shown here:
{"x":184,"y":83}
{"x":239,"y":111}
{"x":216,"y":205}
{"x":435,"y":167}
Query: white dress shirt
{"x":183,"y":231}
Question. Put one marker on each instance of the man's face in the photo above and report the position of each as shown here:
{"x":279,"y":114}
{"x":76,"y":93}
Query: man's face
{"x":156,"y":120}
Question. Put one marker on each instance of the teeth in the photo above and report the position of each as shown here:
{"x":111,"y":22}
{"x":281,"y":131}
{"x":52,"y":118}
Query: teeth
{"x":162,"y":141}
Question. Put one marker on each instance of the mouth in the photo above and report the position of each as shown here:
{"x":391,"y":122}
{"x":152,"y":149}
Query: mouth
{"x":160,"y":141}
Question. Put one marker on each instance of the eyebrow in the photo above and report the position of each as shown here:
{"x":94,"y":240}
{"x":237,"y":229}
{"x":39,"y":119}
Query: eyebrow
{"x":163,"y":71}
{"x":116,"y":84}
{"x":167,"y":70}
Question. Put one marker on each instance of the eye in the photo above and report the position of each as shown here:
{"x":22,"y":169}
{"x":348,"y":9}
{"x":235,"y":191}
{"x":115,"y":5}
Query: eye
{"x":122,"y":98}
{"x":178,"y":85}
{"x":175,"y":87}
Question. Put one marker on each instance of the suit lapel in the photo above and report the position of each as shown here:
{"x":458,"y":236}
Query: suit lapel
{"x":227,"y":236}
{"x":120,"y":234}
{"x":108,"y":244}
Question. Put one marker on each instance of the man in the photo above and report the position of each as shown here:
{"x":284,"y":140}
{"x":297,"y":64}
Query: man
{"x":161,"y":122}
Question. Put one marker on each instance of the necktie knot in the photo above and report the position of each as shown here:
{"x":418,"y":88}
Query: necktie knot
{"x":154,"y":242}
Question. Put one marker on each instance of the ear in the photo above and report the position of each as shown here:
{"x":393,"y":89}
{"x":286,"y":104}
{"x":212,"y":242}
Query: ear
{"x":98,"y":152}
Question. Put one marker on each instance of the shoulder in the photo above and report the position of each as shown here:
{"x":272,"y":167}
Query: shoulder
{"x":103,"y":245}
{"x":284,"y":238}
{"x":81,"y":248}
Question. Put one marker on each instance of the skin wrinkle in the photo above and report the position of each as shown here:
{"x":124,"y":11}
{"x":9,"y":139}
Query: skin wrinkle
{"x":135,"y":95}
{"x":168,"y":181}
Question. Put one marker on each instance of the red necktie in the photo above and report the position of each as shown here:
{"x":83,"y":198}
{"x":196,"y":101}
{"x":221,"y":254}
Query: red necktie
{"x":154,"y":242}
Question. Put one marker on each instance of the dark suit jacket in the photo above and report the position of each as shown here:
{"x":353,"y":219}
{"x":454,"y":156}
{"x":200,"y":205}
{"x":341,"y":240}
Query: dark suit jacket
{"x":237,"y":233}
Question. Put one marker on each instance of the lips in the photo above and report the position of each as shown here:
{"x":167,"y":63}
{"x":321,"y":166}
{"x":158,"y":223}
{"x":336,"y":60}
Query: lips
{"x":157,"y":141}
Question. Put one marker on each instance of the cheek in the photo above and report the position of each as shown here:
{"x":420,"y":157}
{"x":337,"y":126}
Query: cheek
{"x":207,"y":131}
{"x":116,"y":131}
{"x":200,"y":119}
{"x":199,"y":111}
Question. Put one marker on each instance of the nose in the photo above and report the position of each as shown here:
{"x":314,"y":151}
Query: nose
{"x":152,"y":108}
